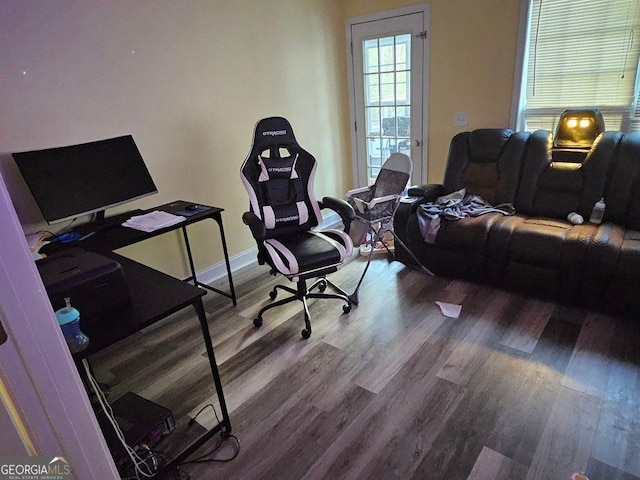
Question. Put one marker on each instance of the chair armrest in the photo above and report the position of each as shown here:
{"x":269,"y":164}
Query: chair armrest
{"x":258,"y":230}
{"x":386,"y":198}
{"x":360,"y":205}
{"x":429,"y":192}
{"x":365,"y":208}
{"x":342,"y":208}
{"x":357,"y":190}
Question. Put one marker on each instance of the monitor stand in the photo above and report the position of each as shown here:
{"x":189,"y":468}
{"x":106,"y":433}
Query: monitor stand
{"x":101,"y":222}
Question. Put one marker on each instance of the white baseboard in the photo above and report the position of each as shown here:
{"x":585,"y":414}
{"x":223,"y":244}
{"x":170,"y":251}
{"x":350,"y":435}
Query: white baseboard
{"x":218,"y":271}
{"x":331,"y":220}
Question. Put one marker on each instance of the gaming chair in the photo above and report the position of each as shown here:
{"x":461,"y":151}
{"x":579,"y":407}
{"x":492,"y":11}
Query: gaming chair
{"x":278,"y":175}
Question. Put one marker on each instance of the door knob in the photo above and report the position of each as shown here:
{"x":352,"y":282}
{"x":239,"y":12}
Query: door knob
{"x":415,"y":143}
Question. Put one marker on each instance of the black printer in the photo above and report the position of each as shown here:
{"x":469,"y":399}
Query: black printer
{"x":94,"y":283}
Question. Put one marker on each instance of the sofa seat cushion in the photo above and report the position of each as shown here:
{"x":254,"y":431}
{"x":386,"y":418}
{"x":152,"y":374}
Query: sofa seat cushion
{"x":460,"y":246}
{"x":538,"y":241}
{"x":604,"y":250}
{"x":525,"y":251}
{"x":470,"y":233}
{"x":628,"y":266}
{"x":600,"y":263}
{"x":620,"y":290}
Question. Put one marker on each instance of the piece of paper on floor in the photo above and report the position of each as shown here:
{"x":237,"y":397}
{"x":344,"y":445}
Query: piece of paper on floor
{"x":450,"y":309}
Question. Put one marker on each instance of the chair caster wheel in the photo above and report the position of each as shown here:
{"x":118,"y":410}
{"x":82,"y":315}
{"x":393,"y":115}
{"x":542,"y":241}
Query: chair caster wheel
{"x":322,"y":287}
{"x":257,"y":322}
{"x":305,"y":333}
{"x":273,"y":294}
{"x":346,"y":308}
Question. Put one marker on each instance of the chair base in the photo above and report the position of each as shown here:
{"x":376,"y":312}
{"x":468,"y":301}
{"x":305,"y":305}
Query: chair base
{"x":302,"y":294}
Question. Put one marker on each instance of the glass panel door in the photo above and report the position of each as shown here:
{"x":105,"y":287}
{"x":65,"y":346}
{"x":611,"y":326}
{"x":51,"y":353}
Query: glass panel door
{"x":387,"y":85}
{"x":387,"y":71}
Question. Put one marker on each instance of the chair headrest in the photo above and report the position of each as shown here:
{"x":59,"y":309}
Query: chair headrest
{"x":272,"y":132}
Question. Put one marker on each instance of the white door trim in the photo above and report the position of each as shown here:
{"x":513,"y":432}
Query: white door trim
{"x":423,"y":8}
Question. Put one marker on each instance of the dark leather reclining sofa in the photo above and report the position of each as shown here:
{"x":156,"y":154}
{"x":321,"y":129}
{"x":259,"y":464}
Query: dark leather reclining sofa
{"x":538,"y":250}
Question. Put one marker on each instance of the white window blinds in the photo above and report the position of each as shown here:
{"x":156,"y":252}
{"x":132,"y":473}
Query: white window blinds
{"x":581,"y":53}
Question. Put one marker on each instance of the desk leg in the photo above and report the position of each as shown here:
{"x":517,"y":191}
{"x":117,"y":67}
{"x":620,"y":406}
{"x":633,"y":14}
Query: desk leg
{"x":218,"y":218}
{"x":189,"y":256}
{"x":199,"y":308}
{"x":193,"y":277}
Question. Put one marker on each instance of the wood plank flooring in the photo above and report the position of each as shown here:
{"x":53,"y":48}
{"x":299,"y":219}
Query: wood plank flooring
{"x":516,"y":388}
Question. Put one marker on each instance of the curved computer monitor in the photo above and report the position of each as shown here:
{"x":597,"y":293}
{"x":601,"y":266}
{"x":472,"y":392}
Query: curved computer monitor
{"x":68,"y":182}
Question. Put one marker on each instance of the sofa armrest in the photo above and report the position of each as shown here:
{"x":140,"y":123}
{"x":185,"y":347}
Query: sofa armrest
{"x":429,"y":192}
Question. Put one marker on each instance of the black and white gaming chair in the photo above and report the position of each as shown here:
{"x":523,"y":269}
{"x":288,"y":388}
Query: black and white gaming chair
{"x":278,"y":175}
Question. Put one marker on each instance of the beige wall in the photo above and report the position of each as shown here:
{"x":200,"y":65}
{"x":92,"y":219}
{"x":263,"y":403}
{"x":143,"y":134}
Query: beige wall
{"x":188,"y":79}
{"x":472,"y":56}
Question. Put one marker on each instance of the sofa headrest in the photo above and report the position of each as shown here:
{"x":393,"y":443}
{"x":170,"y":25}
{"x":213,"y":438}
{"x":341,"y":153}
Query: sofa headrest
{"x":486,"y":144}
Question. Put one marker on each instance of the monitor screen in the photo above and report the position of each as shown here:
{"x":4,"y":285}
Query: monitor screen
{"x":68,"y":182}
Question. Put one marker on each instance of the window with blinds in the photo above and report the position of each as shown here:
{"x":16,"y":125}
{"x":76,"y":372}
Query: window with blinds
{"x":581,"y":54}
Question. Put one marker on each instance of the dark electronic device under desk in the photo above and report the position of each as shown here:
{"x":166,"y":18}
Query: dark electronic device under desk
{"x":94,"y":283}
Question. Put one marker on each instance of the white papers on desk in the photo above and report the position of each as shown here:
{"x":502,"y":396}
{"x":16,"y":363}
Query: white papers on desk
{"x":152,"y":221}
{"x":36,"y":241}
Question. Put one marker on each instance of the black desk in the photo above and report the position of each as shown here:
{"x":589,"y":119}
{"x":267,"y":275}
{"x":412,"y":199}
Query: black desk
{"x":154,"y":296}
{"x":116,"y":236}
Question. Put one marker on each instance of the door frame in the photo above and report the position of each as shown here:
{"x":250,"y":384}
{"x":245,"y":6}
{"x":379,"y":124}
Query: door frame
{"x":423,"y":8}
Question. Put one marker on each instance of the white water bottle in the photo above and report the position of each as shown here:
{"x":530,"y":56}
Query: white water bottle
{"x":597,"y":214}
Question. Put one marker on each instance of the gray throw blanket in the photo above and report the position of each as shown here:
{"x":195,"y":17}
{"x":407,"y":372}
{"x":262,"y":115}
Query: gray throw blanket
{"x":455,"y":206}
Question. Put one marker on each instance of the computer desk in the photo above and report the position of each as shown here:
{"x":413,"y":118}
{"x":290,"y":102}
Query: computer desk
{"x":154,"y":297}
{"x":115,"y":236}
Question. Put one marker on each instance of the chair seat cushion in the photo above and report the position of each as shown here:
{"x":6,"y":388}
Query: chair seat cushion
{"x":305,"y":252}
{"x":467,"y":234}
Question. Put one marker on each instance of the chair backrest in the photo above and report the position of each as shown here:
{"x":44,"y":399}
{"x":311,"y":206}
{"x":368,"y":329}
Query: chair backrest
{"x":278,"y":175}
{"x":554,"y":189}
{"x":393,"y":176}
{"x":623,"y":192}
{"x":487,"y":163}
